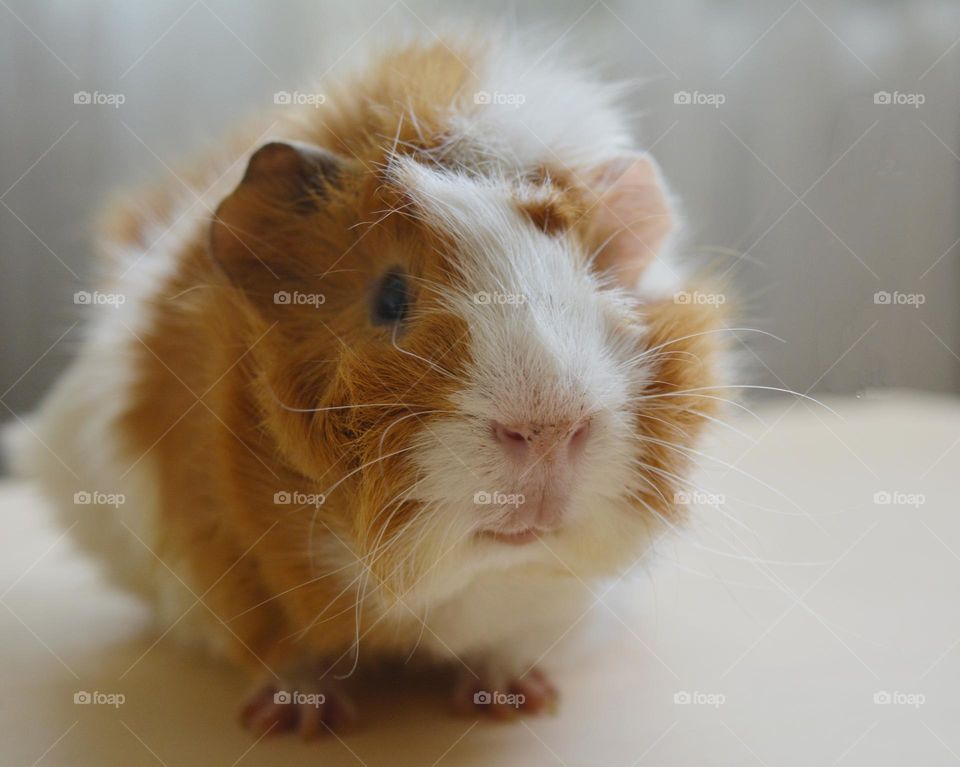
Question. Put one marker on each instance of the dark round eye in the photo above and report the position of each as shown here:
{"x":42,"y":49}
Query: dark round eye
{"x":392,"y":299}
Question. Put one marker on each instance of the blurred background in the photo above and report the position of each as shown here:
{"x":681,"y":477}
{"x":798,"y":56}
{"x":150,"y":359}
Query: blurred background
{"x":814,"y":145}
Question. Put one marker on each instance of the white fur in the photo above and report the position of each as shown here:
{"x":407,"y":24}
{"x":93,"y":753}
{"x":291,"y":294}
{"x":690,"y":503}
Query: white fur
{"x":547,"y":113}
{"x":505,"y":622}
{"x":543,"y":347}
{"x":540,"y":329}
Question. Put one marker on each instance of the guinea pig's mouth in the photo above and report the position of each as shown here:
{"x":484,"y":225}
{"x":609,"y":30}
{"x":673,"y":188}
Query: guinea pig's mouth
{"x":515,"y":537}
{"x":534,"y":514}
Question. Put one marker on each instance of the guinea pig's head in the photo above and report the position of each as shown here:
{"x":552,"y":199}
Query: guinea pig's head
{"x":462,"y":363}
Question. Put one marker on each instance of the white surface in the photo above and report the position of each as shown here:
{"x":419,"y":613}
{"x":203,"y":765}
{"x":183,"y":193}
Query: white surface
{"x":798,"y":622}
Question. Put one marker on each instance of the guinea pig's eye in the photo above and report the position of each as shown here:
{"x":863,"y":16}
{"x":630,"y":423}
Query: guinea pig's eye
{"x":391,"y":300}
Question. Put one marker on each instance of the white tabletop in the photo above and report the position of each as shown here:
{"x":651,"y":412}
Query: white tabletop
{"x":783,"y":625}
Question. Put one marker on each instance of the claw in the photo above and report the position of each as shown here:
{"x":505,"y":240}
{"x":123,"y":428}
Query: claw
{"x":532,"y":693}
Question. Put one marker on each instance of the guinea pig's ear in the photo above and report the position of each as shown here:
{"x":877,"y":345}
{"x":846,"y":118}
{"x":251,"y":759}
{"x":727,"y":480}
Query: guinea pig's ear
{"x":631,"y":219}
{"x":251,"y":236}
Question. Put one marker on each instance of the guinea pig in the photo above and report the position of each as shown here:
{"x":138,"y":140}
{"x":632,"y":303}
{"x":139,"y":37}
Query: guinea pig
{"x":405,"y":375}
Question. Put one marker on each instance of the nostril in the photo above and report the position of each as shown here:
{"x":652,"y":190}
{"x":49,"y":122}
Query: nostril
{"x":527,"y":440}
{"x":579,"y":436}
{"x":508,"y":436}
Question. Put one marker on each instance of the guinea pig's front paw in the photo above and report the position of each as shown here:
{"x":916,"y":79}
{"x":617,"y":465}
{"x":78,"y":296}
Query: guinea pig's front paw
{"x":310,"y":709}
{"x":505,"y":698}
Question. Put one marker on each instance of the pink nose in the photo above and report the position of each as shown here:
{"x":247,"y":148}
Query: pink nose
{"x":531,"y":441}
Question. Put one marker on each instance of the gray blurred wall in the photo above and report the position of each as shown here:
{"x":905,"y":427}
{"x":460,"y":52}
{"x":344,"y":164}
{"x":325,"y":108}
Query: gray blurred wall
{"x":800,"y":188}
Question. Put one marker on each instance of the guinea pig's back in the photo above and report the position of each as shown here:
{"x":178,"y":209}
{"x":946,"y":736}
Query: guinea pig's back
{"x":482,"y":103}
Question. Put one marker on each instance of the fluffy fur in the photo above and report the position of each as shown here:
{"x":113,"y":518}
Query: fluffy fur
{"x":203,"y":398}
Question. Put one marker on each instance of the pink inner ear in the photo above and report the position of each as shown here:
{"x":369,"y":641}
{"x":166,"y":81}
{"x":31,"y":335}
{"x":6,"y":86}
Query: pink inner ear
{"x":632,"y":218}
